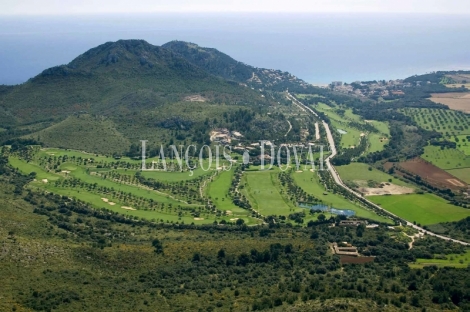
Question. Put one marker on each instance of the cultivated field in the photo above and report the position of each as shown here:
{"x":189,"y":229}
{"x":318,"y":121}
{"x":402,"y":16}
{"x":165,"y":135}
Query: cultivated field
{"x":425,"y":209}
{"x":447,"y":158}
{"x":432,"y":174}
{"x":446,"y":121}
{"x":463,"y":143}
{"x":455,"y":100}
{"x":462,"y":173}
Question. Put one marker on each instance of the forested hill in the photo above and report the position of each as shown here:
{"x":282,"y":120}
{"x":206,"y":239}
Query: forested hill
{"x":121,"y":92}
{"x":115,"y":76}
{"x":220,"y":64}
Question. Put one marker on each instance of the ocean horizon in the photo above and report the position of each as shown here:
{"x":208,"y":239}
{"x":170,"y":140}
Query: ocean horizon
{"x":318,"y":48}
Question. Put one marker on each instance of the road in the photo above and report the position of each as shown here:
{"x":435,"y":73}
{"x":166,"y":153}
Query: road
{"x":290,"y":128}
{"x":317,"y":131}
{"x":338,"y":180}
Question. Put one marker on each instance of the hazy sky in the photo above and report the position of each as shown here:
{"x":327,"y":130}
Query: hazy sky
{"x":60,"y":7}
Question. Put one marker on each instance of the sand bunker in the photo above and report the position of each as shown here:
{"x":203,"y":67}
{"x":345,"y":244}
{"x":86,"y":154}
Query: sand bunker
{"x":65,"y":171}
{"x":198,"y":219}
{"x":299,"y":171}
{"x":44,"y":181}
{"x":391,"y":189}
{"x":111,"y":203}
{"x":104,"y":199}
{"x":362,"y":134}
{"x":234,"y":219}
{"x":127,"y":208}
{"x":228,"y":212}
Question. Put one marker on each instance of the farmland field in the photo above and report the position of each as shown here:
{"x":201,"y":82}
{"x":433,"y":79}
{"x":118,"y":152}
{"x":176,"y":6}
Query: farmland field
{"x":425,"y":209}
{"x":432,"y":174}
{"x":462,"y":173}
{"x":446,"y":121}
{"x":463,"y":143}
{"x":447,"y":158}
{"x":455,"y":100}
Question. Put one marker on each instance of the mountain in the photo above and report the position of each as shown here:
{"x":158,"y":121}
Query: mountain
{"x":131,"y":90}
{"x":222,"y":65}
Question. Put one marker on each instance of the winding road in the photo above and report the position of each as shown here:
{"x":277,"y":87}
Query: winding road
{"x":338,"y":180}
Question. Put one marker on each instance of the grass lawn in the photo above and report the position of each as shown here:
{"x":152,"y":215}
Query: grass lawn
{"x":27,"y":168}
{"x":462,"y":173}
{"x":351,"y":137}
{"x":96,"y":201}
{"x":80,"y":173}
{"x":169,"y":176}
{"x":263,"y":190}
{"x":360,"y":171}
{"x":423,"y":208}
{"x":448,"y":158}
{"x":452,"y":260}
{"x":462,"y":143}
{"x":218,"y":191}
{"x":310,"y":183}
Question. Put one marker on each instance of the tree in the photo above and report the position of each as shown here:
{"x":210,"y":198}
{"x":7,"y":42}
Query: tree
{"x":158,"y":246}
{"x":321,"y":217}
{"x":240,"y":222}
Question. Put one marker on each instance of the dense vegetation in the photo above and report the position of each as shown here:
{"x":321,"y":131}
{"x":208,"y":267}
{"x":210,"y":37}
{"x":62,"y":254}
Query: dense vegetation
{"x":70,"y":252}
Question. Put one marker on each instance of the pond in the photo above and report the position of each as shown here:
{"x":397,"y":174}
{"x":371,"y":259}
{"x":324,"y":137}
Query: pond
{"x":344,"y":212}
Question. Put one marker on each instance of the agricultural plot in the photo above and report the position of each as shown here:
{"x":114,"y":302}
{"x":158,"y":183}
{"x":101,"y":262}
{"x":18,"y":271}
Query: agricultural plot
{"x":432,"y":174}
{"x":447,"y":158}
{"x":462,"y":174}
{"x":463,"y":143}
{"x":310,"y":183}
{"x":459,"y":101}
{"x":425,"y":209}
{"x":446,"y":121}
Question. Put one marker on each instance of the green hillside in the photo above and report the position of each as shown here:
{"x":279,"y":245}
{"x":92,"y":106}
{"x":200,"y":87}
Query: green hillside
{"x":220,"y":64}
{"x":142,"y":91}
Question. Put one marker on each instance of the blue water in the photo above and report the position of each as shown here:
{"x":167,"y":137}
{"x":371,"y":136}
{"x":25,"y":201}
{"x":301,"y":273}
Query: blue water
{"x":318,"y":48}
{"x":344,"y":212}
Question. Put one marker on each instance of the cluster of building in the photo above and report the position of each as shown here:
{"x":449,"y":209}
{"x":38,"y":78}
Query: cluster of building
{"x":373,"y":88}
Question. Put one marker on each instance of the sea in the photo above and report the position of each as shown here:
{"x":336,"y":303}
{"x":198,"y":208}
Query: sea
{"x":317,"y":47}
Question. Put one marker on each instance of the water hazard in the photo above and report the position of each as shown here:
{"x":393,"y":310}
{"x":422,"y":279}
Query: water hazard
{"x":344,"y":212}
